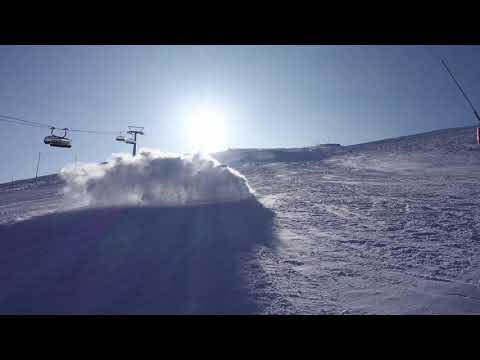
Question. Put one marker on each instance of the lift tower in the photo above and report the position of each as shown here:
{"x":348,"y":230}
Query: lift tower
{"x":134,"y":130}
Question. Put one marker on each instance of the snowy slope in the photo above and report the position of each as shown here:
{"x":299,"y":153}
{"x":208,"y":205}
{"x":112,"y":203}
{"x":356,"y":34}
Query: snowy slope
{"x":241,"y":156}
{"x":23,"y":199}
{"x":436,"y":151}
{"x":388,"y":227}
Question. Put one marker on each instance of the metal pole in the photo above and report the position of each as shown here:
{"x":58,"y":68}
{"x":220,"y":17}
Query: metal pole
{"x":38,"y":163}
{"x":463,"y":92}
{"x":135,"y":144}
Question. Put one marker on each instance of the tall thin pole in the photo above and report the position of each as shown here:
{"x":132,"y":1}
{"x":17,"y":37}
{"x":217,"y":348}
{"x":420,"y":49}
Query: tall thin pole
{"x":135,"y":144}
{"x":463,"y":92}
{"x":38,"y":163}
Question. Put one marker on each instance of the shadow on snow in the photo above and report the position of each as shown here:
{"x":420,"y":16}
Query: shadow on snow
{"x":144,"y":260}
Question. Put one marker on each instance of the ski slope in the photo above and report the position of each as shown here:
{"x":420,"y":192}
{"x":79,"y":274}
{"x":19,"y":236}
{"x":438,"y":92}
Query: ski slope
{"x":387,"y":227}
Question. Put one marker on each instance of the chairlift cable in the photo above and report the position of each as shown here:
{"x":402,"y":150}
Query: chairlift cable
{"x":64,"y":142}
{"x":19,"y":121}
{"x":97,"y":132}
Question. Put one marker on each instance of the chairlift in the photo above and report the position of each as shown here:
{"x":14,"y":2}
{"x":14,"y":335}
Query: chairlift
{"x":120,"y":138}
{"x":130,"y":141}
{"x":58,"y":141}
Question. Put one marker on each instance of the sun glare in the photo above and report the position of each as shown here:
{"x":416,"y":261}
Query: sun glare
{"x":207,"y":131}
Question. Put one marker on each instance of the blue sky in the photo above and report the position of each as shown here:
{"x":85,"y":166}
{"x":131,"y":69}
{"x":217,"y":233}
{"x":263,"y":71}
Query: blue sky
{"x":269,"y":96}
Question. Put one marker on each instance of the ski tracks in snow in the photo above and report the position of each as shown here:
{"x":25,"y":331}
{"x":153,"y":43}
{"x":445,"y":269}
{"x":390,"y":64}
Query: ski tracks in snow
{"x":350,"y":237}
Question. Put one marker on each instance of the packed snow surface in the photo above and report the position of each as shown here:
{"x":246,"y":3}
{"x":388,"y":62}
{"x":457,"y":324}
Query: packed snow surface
{"x":388,"y":227}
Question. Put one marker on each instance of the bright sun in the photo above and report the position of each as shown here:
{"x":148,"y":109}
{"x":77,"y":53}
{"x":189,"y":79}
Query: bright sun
{"x":206,"y":131}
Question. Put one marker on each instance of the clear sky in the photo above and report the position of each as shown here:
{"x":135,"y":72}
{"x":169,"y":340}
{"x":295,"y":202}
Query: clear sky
{"x":264,"y":96}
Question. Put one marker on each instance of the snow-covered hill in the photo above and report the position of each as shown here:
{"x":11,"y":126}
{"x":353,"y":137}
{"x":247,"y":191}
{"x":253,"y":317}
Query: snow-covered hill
{"x":242,"y":156}
{"x":441,"y":151}
{"x":388,"y":227}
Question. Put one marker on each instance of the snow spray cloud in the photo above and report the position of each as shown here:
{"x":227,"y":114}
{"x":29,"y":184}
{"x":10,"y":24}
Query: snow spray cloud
{"x":154,"y":178}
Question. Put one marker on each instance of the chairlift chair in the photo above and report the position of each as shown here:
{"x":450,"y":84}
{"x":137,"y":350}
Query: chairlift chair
{"x":58,"y":141}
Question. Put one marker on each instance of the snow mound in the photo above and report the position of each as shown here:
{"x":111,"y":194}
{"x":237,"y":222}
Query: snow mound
{"x":154,"y":178}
